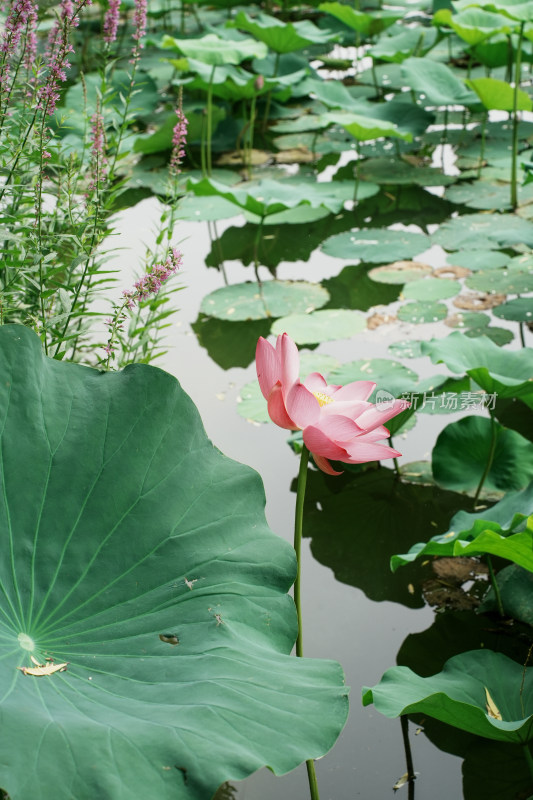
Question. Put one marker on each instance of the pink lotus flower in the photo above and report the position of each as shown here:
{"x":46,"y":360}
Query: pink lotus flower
{"x":337,"y":422}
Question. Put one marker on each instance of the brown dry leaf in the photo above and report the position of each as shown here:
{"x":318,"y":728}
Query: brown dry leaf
{"x":451,"y":272}
{"x":296,"y":155}
{"x":44,"y":669}
{"x":478,"y":301}
{"x":437,"y":594}
{"x":234,"y":159}
{"x":375,"y":320}
{"x":458,"y":569}
{"x":492,"y":708}
{"x":405,"y":266}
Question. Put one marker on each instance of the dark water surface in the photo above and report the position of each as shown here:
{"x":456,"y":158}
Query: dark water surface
{"x":340,"y":622}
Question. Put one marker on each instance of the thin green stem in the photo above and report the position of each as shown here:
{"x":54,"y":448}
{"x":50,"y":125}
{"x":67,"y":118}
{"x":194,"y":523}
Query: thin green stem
{"x":482,"y":146}
{"x":522,"y":335}
{"x":490,"y":458}
{"x":269,"y":93}
{"x":496,"y":588}
{"x":514,"y":157}
{"x":298,"y":526}
{"x":209,"y":120}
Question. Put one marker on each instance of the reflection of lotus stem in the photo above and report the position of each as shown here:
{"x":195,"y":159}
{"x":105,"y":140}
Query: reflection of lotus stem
{"x":210,"y":119}
{"x":495,"y":587}
{"x":202,"y":147}
{"x":408,"y":756}
{"x":444,"y":140}
{"x":269,"y":93}
{"x":529,"y":757}
{"x":298,"y":524}
{"x":522,"y":336}
{"x":517,"y":76}
{"x":490,"y":459}
{"x":250,"y":143}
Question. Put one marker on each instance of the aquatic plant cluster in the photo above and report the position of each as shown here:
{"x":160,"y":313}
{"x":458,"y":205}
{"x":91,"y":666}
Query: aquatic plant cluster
{"x":146,"y":625}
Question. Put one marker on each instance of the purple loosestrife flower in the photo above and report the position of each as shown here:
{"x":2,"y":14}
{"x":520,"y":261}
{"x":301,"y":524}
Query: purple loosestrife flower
{"x":22,"y":16}
{"x":179,"y":137}
{"x":98,"y":159}
{"x":111,"y":20}
{"x":151,"y":282}
{"x":139,"y":18}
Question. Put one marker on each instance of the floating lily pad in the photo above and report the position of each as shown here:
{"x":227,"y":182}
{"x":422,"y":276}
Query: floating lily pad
{"x":400,"y":272}
{"x":375,"y":245}
{"x":431,"y":289}
{"x":499,"y":336}
{"x":159,"y":595}
{"x":502,"y":281}
{"x":458,"y":695}
{"x":463,"y":450}
{"x":520,"y":310}
{"x":477,"y":231}
{"x":480,"y":194}
{"x":421,"y":312}
{"x":321,"y":326}
{"x":478,"y":259}
{"x":205,"y":208}
{"x":391,"y":377}
{"x":244,"y":301}
{"x":402,"y":173}
{"x":470,"y":320}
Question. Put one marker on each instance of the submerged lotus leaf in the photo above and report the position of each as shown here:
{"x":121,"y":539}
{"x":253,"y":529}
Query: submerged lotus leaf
{"x":245,"y":301}
{"x":321,"y":326}
{"x":464,"y":449}
{"x":458,"y":695}
{"x":375,"y":245}
{"x":281,"y":37}
{"x":139,"y":556}
{"x":475,"y":231}
{"x":504,"y":372}
{"x":431,"y":289}
{"x":422,"y":311}
{"x":388,"y":170}
{"x":502,"y":530}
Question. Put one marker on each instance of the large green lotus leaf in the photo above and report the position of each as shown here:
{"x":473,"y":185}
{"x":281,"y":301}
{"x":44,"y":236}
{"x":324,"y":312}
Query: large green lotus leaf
{"x":213,"y":50}
{"x":431,"y":289}
{"x":363,"y":127}
{"x":473,"y":25}
{"x":367,"y":24}
{"x":463,"y":450}
{"x":375,"y":245}
{"x":356,"y":522}
{"x":475,"y":231}
{"x":458,"y":695}
{"x":281,"y":37}
{"x":506,"y":373}
{"x":516,"y":586}
{"x":520,"y":310}
{"x":250,"y":301}
{"x":436,"y":82}
{"x":513,"y":9}
{"x":496,"y":94}
{"x":395,"y":171}
{"x":231,"y":83}
{"x":321,"y":326}
{"x":474,"y":533}
{"x":136,"y":552}
{"x":403,"y":44}
{"x":267,"y":197}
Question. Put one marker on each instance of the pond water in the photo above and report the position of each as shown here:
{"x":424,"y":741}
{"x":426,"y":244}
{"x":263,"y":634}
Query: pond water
{"x":341,"y":621}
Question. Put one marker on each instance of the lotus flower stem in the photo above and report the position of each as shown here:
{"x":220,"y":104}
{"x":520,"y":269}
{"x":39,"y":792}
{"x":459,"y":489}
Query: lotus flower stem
{"x":210,"y":119}
{"x":495,"y":587}
{"x":517,"y":76}
{"x":298,"y":525}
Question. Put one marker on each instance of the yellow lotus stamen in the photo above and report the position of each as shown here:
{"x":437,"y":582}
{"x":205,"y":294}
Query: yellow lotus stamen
{"x":322,"y":398}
